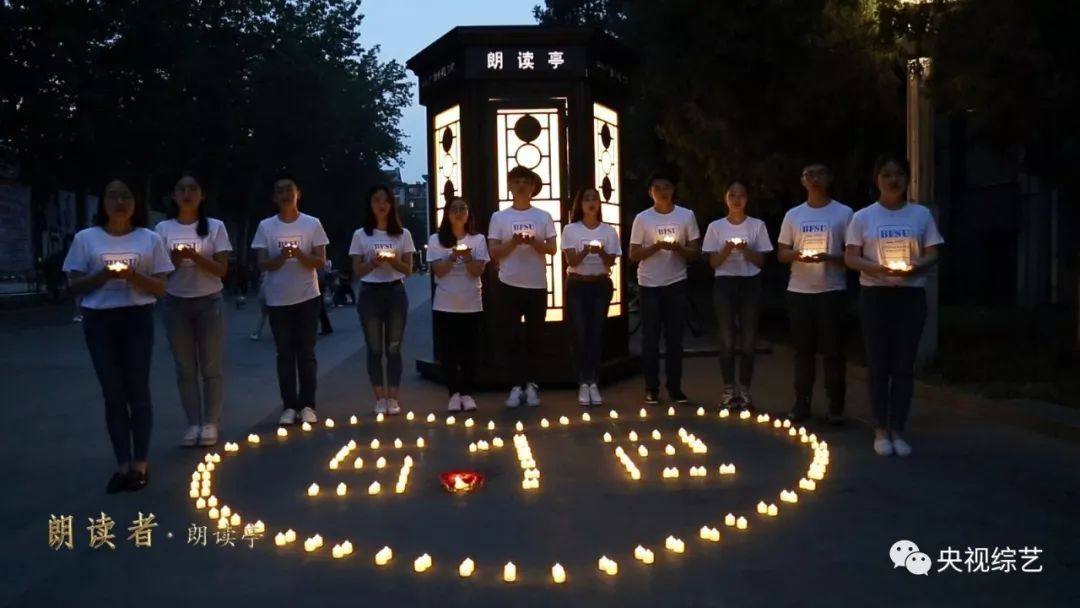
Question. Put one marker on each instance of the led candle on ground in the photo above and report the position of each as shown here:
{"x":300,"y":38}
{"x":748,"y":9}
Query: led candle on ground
{"x":613,"y":415}
{"x":306,"y":427}
{"x":431,"y":417}
{"x":669,"y":450}
{"x":648,"y":557}
{"x":342,"y":489}
{"x":773,"y":511}
{"x":410,"y":416}
{"x":212,"y":501}
{"x":519,"y":426}
{"x":290,"y":536}
{"x":469,"y":423}
{"x":279,"y":539}
{"x":729,"y":519}
{"x":509,"y":572}
{"x":450,"y":421}
{"x":491,"y":425}
{"x":466,"y":568}
{"x":398,"y":443}
{"x":200,"y":504}
{"x":544,"y":423}
{"x":741,"y":523}
{"x":497,"y":442}
{"x":313,"y":490}
{"x":253,"y":439}
{"x":374,"y":488}
{"x":380,"y":463}
{"x":643,"y":451}
{"x":384,"y":556}
{"x":670,"y":410}
{"x":563,"y":420}
{"x":329,"y":422}
{"x":380,"y":417}
{"x":235,"y":520}
{"x":353,"y":420}
{"x":419,"y":442}
{"x":761,"y":508}
{"x":558,"y":574}
{"x":585,"y":417}
{"x":607,"y":437}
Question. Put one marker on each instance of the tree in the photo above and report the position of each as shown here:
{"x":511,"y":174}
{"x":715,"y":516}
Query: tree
{"x":100,"y":88}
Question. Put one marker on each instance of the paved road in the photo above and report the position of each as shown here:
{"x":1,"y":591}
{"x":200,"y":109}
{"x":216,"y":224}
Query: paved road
{"x":971,"y":483}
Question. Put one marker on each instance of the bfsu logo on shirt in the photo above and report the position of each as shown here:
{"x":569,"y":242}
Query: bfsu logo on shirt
{"x":523,"y":228}
{"x":285,"y":242}
{"x":667,"y":233}
{"x":814,"y":236}
{"x":130,"y":259}
{"x":895,"y":232}
{"x":195,"y":244}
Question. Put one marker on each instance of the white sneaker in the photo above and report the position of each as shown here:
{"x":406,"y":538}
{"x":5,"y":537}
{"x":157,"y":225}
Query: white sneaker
{"x":455,"y":403}
{"x":208,"y":435}
{"x":883,"y":447}
{"x":255,"y":337}
{"x":308,"y":415}
{"x":727,"y":398}
{"x":532,"y":394}
{"x":76,"y":319}
{"x":288,"y":416}
{"x":583,"y":394}
{"x":594,"y":395}
{"x":515,"y":397}
{"x":468,"y":403}
{"x":380,"y":406}
{"x":392,"y":407}
{"x":901,"y":447}
{"x":191,"y":436}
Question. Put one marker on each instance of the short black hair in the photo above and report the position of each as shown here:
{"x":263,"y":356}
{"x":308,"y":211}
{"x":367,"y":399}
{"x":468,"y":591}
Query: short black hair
{"x":285,"y":174}
{"x":665,"y":171}
{"x":815,"y":163}
{"x":890,"y":157}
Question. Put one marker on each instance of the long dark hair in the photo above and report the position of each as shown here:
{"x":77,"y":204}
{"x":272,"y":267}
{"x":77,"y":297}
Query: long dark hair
{"x":202,"y":227}
{"x":393,"y":220}
{"x":576,"y":213}
{"x":446,"y":229}
{"x":138,"y":217}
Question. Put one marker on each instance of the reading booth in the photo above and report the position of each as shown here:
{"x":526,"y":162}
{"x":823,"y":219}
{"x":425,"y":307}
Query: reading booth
{"x":545,"y":98}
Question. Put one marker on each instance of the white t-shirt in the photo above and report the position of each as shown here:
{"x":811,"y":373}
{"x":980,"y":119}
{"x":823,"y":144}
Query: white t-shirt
{"x":524,"y":267}
{"x":293,"y":283}
{"x":368,"y":246}
{"x":752,"y":230}
{"x":457,"y":290}
{"x":577,"y":236}
{"x":887,"y":236}
{"x":663,"y":267}
{"x":93,"y":249}
{"x":821,"y":229}
{"x":188,"y":281}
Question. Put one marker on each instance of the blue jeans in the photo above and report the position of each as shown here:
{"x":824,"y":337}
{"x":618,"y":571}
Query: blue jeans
{"x":892,"y":323}
{"x":737,"y":301}
{"x":663,"y":308}
{"x":294,"y":328}
{"x":383,"y":308}
{"x":586,"y":305}
{"x":121,"y":341}
{"x":196,"y":331}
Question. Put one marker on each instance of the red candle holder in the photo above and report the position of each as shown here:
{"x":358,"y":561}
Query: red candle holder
{"x":461,"y":481}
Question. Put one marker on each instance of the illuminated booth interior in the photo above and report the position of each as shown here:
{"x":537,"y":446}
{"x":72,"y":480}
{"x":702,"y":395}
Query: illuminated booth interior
{"x":549,"y":99}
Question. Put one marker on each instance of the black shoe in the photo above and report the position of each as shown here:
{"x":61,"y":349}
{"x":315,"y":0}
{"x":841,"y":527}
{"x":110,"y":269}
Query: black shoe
{"x":117,"y":483}
{"x":837,"y":420}
{"x":652,"y":398}
{"x":137,"y":480}
{"x":678,"y":397}
{"x":797,"y":415}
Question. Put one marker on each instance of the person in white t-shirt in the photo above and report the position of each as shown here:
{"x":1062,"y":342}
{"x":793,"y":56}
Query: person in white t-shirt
{"x":519,"y":240}
{"x":663,"y":239}
{"x":812,"y":241}
{"x":893,"y":244}
{"x":194,"y":321}
{"x":736,"y":245}
{"x":291,"y":248}
{"x":382,"y":256}
{"x":590,"y":248}
{"x":119,"y":269}
{"x":457,"y":256}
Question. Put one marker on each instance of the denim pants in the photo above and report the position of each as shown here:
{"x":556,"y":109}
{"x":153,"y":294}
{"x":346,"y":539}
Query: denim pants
{"x":383,"y":308}
{"x":737,"y":302}
{"x":294,"y":328}
{"x":196,"y":331}
{"x":663,"y":309}
{"x":587,"y":305}
{"x":817,"y":327}
{"x":522,"y":354}
{"x":457,"y":332}
{"x":121,"y":341}
{"x":892,"y":323}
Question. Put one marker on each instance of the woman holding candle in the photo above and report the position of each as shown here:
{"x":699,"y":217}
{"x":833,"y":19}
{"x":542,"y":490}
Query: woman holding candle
{"x":663,"y":240}
{"x":382,"y":257}
{"x":590,"y":248}
{"x":812,"y":241}
{"x":199,"y":248}
{"x":737,"y":245}
{"x":892,"y":243}
{"x":520,"y":238}
{"x":119,"y":268}
{"x":457,"y":256}
{"x":291,"y":248}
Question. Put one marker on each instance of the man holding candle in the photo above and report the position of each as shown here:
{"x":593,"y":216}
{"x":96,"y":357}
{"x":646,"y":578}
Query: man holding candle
{"x":519,"y":240}
{"x":892,"y":243}
{"x":812,"y":242}
{"x":663,"y":239}
{"x":291,"y":248}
